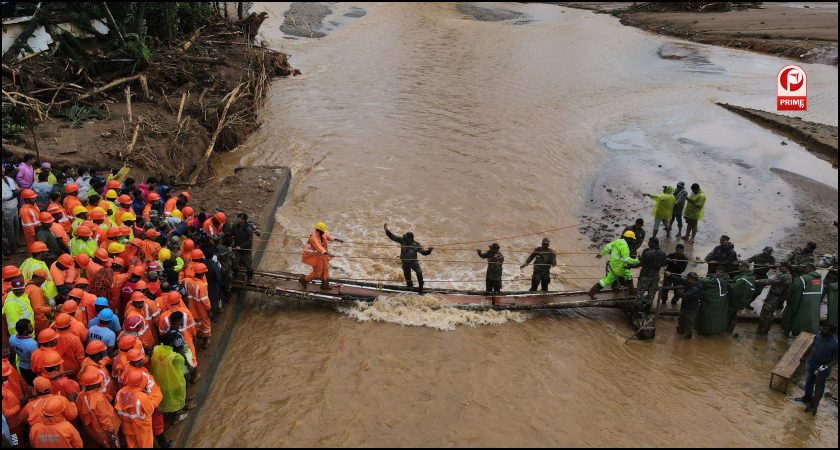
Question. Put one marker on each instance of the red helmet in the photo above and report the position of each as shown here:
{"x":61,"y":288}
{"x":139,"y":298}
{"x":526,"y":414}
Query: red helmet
{"x":134,"y":324}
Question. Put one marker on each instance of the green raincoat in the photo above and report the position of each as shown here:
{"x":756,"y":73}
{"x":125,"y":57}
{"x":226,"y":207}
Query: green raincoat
{"x":695,"y":212}
{"x":168,"y":368}
{"x":713,"y":316}
{"x":802,"y":312}
{"x":663,"y":208}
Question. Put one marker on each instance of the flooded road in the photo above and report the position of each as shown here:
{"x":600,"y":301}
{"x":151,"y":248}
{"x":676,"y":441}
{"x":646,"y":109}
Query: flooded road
{"x":461,"y":131}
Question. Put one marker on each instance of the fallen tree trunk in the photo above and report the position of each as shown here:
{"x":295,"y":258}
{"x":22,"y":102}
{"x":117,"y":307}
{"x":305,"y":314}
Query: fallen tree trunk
{"x":102,"y":89}
{"x":232,"y":97}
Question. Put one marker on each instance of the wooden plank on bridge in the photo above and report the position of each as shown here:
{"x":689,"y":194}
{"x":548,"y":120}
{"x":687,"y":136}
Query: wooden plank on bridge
{"x":791,"y":360}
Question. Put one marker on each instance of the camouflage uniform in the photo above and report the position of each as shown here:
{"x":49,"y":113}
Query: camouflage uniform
{"x":762,"y":263}
{"x":544,"y":259}
{"x":652,"y":260}
{"x":776,"y":298}
{"x":226,"y":259}
{"x":798,"y":259}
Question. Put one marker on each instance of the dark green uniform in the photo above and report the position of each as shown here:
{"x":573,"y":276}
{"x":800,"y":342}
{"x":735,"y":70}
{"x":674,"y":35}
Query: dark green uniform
{"x":544,"y":259}
{"x":762,"y":263}
{"x":494,"y":270}
{"x":740,"y":295}
{"x":802,"y":312}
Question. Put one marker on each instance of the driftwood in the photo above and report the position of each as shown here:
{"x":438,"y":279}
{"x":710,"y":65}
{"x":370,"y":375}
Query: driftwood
{"x":205,"y":60}
{"x":130,"y":147}
{"x":113,"y":24}
{"x":102,"y":89}
{"x":181,"y":108}
{"x":128,"y":102}
{"x":232,"y":97}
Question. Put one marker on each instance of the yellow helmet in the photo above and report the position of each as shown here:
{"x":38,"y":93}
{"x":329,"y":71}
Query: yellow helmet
{"x":176,"y":214}
{"x":164,"y":254}
{"x":79,"y":210}
{"x":629,"y":234}
{"x":128,"y":216}
{"x":111,"y":194}
{"x":321,"y":226}
{"x":115,"y":247}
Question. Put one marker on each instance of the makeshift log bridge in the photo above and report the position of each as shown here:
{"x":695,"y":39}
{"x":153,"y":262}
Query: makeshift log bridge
{"x":286,"y":285}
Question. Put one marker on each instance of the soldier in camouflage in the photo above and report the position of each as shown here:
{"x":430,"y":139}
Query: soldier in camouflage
{"x":800,"y":257}
{"x":761,"y":265}
{"x":776,"y":297}
{"x":652,"y":260}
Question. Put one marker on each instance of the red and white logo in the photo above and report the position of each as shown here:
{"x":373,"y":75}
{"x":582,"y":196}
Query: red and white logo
{"x":792,"y":89}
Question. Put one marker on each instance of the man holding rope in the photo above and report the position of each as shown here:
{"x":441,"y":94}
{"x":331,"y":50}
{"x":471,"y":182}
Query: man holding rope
{"x":409,"y":248}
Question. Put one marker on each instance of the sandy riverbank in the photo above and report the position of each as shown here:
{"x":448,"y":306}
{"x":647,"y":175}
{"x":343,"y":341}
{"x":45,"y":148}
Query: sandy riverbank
{"x":805,"y":32}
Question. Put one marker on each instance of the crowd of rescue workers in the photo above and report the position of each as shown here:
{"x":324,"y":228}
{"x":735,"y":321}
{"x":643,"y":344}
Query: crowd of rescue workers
{"x":103,"y":322}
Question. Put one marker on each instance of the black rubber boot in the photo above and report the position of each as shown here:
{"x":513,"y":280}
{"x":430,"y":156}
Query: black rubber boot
{"x":303,"y":281}
{"x":594,"y":290}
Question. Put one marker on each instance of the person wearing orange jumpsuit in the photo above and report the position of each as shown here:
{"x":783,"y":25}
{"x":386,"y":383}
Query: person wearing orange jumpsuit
{"x":318,"y":256}
{"x":199,"y":303}
{"x":64,"y":273}
{"x":29,"y":214}
{"x":71,"y":199}
{"x":69,"y":344}
{"x":97,"y":415}
{"x":54,"y":431}
{"x":134,"y":407}
{"x":78,"y":319}
{"x":36,"y":299}
{"x":137,"y":361}
{"x":59,"y":383}
{"x":13,"y":399}
{"x":31,"y":412}
{"x":125,"y":343}
{"x":187,"y":328}
{"x":149,"y":311}
{"x":97,"y":360}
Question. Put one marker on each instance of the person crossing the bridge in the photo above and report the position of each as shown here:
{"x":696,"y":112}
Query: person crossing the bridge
{"x":544,"y":259}
{"x":495,"y":259}
{"x":318,"y":256}
{"x":620,"y":259}
{"x":409,"y":248}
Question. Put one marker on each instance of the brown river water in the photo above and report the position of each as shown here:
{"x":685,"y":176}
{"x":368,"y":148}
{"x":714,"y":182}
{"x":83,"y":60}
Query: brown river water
{"x":462,"y":130}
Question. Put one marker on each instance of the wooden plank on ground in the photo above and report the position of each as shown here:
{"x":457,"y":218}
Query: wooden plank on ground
{"x":793,"y":358}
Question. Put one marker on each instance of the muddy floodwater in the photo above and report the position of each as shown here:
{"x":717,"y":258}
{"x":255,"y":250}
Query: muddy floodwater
{"x":464,"y":125}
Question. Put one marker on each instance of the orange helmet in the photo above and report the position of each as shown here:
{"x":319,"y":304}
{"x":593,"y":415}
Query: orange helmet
{"x":125,"y":230}
{"x":84,"y":231}
{"x":126,"y":342}
{"x":10,"y":271}
{"x":82,"y":282}
{"x":200,"y":268}
{"x":173,"y":298}
{"x":197,"y":254}
{"x":137,"y":295}
{"x":135,"y":378}
{"x":188,"y":247}
{"x":65,"y":260}
{"x":124,"y":200}
{"x":118,"y":262}
{"x":62,"y":320}
{"x":187,"y":212}
{"x":135,"y":355}
{"x":37,"y":247}
{"x":151,"y":233}
{"x":76,"y":293}
{"x":113,"y":232}
{"x":82,"y":259}
{"x":42,"y":385}
{"x":28,"y":194}
{"x":55,"y":209}
{"x":46,"y":217}
{"x":100,"y":254}
{"x":187,"y":195}
{"x":138,"y":270}
{"x":47,"y":335}
{"x":220,"y":217}
{"x":152,"y":197}
{"x":90,"y":377}
{"x":141,"y":285}
{"x":137,"y":242}
{"x":97,"y":214}
{"x":52,"y":358}
{"x":70,"y":306}
{"x":113,"y":184}
{"x":41,"y":273}
{"x":71,"y":188}
{"x":54,"y":406}
{"x":95,"y":347}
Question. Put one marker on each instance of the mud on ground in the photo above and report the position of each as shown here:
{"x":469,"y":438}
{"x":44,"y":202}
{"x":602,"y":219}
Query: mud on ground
{"x":805,"y":32}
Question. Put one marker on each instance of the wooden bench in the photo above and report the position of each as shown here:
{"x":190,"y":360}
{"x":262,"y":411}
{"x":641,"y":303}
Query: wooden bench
{"x":791,"y":360}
